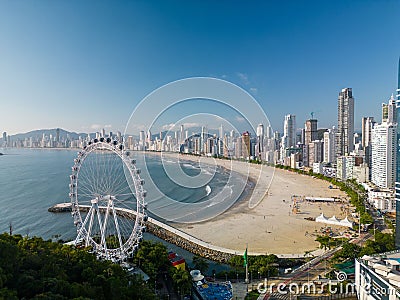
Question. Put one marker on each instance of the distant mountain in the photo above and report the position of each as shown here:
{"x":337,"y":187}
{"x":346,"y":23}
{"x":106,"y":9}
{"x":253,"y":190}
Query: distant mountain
{"x":37,"y":134}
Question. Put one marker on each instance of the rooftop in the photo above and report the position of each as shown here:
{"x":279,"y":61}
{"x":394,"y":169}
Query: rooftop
{"x":387,"y":265}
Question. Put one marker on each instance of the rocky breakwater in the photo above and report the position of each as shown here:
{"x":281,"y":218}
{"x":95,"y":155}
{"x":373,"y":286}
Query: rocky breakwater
{"x":188,"y":245}
{"x":164,"y":232}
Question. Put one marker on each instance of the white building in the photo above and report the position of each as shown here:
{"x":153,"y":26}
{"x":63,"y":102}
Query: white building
{"x":382,"y":199}
{"x":361,"y":173}
{"x":367,"y":123}
{"x":260,"y":141}
{"x":389,"y":111}
{"x":378,"y":276}
{"x":383,"y":172}
{"x":344,"y":167}
{"x":289,"y":131}
{"x":329,"y":145}
{"x":289,"y":134}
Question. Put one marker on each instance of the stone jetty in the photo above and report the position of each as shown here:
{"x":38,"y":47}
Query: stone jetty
{"x":167,"y":233}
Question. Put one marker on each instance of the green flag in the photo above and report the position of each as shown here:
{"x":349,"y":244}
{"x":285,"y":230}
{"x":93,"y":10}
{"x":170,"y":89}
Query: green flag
{"x":245,"y":258}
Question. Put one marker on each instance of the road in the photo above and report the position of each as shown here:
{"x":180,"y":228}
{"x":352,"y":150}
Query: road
{"x":306,"y":274}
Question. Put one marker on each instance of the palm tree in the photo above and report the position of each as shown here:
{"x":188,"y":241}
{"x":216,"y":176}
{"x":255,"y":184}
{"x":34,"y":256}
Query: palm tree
{"x":182,"y":281}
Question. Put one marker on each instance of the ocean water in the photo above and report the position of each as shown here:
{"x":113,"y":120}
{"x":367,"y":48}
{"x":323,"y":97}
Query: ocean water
{"x":32,"y":180}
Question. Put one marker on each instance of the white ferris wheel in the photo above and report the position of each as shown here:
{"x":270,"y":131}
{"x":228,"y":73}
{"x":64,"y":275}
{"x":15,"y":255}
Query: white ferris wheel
{"x":107,"y":198}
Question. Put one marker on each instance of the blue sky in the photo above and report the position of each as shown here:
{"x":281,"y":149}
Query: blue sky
{"x":80,"y":65}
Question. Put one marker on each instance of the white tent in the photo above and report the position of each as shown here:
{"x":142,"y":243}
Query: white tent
{"x":334,"y":221}
{"x":346,"y":222}
{"x":321,"y":218}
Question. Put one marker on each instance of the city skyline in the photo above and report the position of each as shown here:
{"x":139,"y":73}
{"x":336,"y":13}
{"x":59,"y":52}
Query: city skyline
{"x":85,"y":66}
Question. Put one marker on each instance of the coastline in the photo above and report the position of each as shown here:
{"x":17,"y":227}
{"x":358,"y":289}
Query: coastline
{"x":227,"y":165}
{"x":263,"y":218}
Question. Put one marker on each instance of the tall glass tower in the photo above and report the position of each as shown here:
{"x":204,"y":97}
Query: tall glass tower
{"x":345,"y":130}
{"x":397,"y":185}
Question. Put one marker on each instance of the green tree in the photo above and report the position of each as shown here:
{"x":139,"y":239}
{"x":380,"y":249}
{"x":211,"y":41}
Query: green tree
{"x":200,"y":263}
{"x":152,"y":258}
{"x":182,"y":280}
{"x":38,"y":269}
{"x":348,"y":251}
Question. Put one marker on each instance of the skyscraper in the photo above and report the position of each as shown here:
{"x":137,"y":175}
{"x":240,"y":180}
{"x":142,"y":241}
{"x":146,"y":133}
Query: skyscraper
{"x":397,"y":185}
{"x":58,"y":135}
{"x":367,"y":123}
{"x":289,"y":131}
{"x":315,"y":152}
{"x":309,"y":134}
{"x":310,"y":131}
{"x":182,"y":135}
{"x":246,"y":149}
{"x":221,"y":132}
{"x":260,"y":140}
{"x":345,"y":122}
{"x":329,"y":145}
{"x":141,"y":136}
{"x":389,"y":111}
{"x":203,"y":138}
{"x":384,"y":155}
{"x":289,"y":135}
{"x":4,"y":138}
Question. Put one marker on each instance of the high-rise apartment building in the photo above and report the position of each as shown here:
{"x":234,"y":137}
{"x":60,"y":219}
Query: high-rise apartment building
{"x":397,"y":185}
{"x":329,"y":145}
{"x":289,"y":135}
{"x":246,"y":147}
{"x":310,"y":131}
{"x":315,"y":152}
{"x":389,"y":111}
{"x":260,"y":141}
{"x":182,"y":135}
{"x":345,"y":128}
{"x":367,"y":123}
{"x":309,"y":134}
{"x":289,"y":131}
{"x":383,"y":172}
{"x":58,"y":135}
{"x":142,"y":136}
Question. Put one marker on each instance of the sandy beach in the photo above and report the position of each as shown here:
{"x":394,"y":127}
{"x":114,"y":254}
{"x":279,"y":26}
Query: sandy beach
{"x":266,"y":221}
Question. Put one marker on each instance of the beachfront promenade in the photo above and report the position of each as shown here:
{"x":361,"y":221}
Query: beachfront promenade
{"x":178,"y":237}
